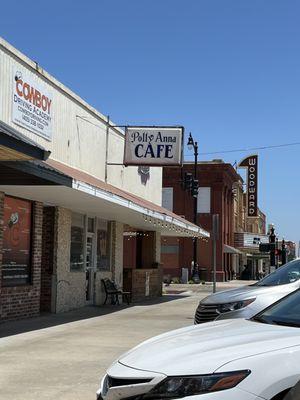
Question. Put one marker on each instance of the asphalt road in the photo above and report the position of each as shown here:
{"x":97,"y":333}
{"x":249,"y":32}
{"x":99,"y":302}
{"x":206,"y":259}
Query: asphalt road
{"x":65,"y":360}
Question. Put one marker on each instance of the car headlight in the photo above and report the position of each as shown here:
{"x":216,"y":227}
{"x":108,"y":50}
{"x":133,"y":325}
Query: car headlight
{"x":176,"y":387}
{"x":237,"y":305}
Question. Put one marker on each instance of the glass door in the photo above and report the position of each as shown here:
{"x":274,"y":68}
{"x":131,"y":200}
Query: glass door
{"x":90,"y":268}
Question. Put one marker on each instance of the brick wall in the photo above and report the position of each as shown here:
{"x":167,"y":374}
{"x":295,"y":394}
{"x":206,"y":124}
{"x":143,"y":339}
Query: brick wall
{"x":220,"y":177}
{"x":24,"y":301}
{"x":1,"y":244}
{"x":47,"y":258}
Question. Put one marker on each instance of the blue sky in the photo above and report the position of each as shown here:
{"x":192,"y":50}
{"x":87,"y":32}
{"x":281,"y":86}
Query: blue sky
{"x":229,"y":71}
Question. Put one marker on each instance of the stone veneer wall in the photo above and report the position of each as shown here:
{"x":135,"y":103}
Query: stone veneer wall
{"x":23,"y":301}
{"x":68,"y":285}
{"x":157,"y":247}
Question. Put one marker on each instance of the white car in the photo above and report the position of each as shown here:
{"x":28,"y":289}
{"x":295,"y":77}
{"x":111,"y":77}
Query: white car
{"x":246,"y":301}
{"x":224,"y":360}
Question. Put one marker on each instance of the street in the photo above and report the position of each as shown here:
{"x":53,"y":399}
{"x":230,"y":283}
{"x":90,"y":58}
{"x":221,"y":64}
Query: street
{"x":66,"y":362}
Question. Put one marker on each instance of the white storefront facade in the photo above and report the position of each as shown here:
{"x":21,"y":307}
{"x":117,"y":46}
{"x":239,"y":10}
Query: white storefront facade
{"x":66,"y":200}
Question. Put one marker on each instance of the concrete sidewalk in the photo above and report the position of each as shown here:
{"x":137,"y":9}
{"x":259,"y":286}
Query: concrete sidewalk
{"x":206,"y":288}
{"x":62,"y":358}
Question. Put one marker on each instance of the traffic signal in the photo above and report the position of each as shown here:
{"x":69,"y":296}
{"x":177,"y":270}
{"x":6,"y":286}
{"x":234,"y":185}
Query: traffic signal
{"x":188,"y":181}
{"x":195,"y":185}
{"x":264,"y":247}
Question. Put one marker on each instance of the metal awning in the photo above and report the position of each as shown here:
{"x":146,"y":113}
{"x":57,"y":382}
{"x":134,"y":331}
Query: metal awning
{"x":83,"y":193}
{"x":231,"y":250}
{"x":14,"y":146}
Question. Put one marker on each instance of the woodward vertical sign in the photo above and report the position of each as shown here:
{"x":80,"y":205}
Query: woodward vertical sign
{"x":251,"y":163}
{"x":32,"y":103}
{"x":155,"y":146}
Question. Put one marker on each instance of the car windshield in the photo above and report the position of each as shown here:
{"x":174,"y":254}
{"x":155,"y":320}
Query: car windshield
{"x":288,"y":273}
{"x":286,"y":312}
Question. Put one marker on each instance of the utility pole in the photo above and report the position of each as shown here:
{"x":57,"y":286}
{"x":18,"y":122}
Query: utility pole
{"x":215,"y":237}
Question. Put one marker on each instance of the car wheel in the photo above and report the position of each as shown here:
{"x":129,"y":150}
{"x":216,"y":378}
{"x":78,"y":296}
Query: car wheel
{"x":282,"y":396}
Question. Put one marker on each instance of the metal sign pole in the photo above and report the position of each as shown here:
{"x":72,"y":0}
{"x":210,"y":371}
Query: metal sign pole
{"x":215,"y":235}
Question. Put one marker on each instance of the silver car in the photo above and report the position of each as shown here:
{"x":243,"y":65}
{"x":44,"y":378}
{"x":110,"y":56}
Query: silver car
{"x":247,"y":301}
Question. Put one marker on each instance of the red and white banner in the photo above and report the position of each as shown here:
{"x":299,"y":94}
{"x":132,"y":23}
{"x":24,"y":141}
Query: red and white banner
{"x":32,"y":103}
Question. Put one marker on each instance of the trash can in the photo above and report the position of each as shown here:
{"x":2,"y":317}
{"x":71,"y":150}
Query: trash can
{"x":202,"y":274}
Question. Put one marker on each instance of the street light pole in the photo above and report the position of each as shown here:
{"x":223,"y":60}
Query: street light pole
{"x":192,"y":145}
{"x":272,"y":240}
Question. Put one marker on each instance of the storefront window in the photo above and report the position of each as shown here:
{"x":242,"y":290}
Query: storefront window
{"x":103,"y":244}
{"x":16,"y":268}
{"x":91,"y":225}
{"x":77,"y":243}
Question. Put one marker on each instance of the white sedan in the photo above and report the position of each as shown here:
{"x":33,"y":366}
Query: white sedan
{"x":225,"y":360}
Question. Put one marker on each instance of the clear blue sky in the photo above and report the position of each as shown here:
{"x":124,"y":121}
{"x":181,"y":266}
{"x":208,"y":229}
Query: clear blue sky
{"x":228,"y":70}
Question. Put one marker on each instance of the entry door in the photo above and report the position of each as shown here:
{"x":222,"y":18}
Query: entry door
{"x":90,"y":268}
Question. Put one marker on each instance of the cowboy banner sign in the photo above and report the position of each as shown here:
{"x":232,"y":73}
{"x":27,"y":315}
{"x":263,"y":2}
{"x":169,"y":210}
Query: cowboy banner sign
{"x":31,"y":103}
{"x":251,"y":163}
{"x":153,"y":146}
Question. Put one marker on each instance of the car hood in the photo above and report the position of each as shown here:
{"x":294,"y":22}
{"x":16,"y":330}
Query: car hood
{"x":245,"y":292}
{"x":202,"y":349}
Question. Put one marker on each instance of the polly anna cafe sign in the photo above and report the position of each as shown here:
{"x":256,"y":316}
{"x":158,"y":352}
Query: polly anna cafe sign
{"x":155,"y":146}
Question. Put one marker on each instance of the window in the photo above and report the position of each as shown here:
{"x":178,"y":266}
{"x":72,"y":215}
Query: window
{"x":77,"y":243}
{"x":170,"y":249}
{"x":167,"y":198}
{"x":203,"y":204}
{"x":91,"y":225}
{"x":17,"y":222}
{"x":103,"y":244}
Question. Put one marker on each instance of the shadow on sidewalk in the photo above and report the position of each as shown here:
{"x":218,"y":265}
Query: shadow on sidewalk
{"x":47,"y":320}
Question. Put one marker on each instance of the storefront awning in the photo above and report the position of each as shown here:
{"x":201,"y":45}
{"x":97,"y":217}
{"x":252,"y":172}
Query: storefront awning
{"x":231,"y":250}
{"x":84,"y":193}
{"x":16,"y":146}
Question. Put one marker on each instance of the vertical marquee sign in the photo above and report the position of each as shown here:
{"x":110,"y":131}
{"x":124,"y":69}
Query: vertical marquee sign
{"x":251,"y":163}
{"x":153,"y":146}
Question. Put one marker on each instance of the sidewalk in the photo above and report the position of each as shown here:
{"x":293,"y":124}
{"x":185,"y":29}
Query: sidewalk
{"x":207,"y":288}
{"x":172,"y":292}
{"x":66,"y":360}
{"x":48,"y":320}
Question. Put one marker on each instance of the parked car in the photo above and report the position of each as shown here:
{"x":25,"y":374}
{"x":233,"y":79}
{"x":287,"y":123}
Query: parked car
{"x":246,"y":301}
{"x":224,"y":360}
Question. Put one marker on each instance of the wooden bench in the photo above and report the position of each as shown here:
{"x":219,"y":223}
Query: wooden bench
{"x":111,"y":290}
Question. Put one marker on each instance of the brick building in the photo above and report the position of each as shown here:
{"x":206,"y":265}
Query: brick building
{"x":249,"y":232}
{"x":215,"y":196}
